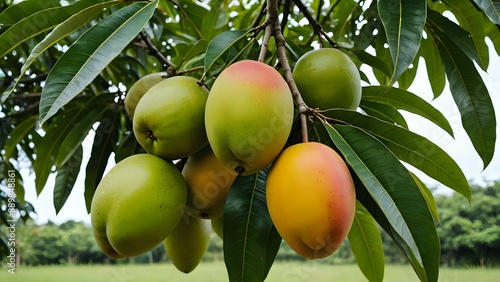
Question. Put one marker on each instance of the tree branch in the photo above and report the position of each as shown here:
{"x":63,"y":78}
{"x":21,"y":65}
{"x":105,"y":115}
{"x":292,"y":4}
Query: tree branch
{"x":153,"y":51}
{"x":265,"y":42}
{"x":304,"y":110}
{"x":261,"y":13}
{"x":318,"y":29}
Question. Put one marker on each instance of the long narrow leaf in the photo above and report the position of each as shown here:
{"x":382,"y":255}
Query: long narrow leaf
{"x":250,"y":239}
{"x":380,"y":170}
{"x":220,"y":45}
{"x":384,"y":112}
{"x":404,"y":23}
{"x":66,"y":178}
{"x":17,"y":134}
{"x":404,"y":100}
{"x":411,"y":148}
{"x":429,"y":198}
{"x":15,"y":13}
{"x":433,"y":65}
{"x":491,"y":8}
{"x":90,"y":54}
{"x":106,"y":136}
{"x":32,"y":25}
{"x":458,"y":35}
{"x":366,"y":244}
{"x":471,"y":97}
{"x":55,"y":134}
{"x":62,"y":30}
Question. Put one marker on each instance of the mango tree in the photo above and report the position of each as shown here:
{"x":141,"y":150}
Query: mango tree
{"x":66,"y":68}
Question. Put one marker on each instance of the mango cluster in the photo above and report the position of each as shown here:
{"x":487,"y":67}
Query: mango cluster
{"x":238,"y":128}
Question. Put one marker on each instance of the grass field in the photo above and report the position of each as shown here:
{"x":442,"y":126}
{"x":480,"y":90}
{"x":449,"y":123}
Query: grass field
{"x":215,"y":272}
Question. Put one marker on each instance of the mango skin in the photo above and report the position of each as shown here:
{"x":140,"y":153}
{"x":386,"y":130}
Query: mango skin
{"x":136,"y":205}
{"x":187,"y":244}
{"x":169,"y":119}
{"x":208,"y":182}
{"x":138,"y":89}
{"x":248,"y":116}
{"x":218,"y":226}
{"x":327,"y":78}
{"x":311,"y":199}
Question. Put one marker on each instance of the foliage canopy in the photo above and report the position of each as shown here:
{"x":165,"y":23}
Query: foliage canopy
{"x":66,"y":66}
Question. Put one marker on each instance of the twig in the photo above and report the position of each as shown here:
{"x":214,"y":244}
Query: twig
{"x":265,"y":42}
{"x":318,"y":29}
{"x":259,"y":16}
{"x":304,"y":110}
{"x":153,"y":51}
{"x":286,"y":13}
{"x":181,"y":72}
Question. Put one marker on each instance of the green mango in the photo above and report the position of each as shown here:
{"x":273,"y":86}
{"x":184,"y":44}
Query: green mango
{"x":187,"y":244}
{"x":137,"y":205}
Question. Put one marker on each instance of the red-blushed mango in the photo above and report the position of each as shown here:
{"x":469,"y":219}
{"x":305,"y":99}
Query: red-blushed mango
{"x":248,"y":116}
{"x":208,"y":181}
{"x":328,"y":78}
{"x":311,"y":199}
{"x":136,"y":205}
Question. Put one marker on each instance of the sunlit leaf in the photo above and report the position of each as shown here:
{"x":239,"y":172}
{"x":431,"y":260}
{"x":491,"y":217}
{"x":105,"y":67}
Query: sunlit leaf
{"x":404,"y":23}
{"x":15,"y":13}
{"x":90,"y":54}
{"x":429,"y":198}
{"x":433,"y":65}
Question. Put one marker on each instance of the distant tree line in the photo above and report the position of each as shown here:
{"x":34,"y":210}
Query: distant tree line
{"x":470,"y":236}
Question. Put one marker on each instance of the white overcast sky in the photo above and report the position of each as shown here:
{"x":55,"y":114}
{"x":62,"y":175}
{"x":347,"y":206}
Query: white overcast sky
{"x":459,"y":148}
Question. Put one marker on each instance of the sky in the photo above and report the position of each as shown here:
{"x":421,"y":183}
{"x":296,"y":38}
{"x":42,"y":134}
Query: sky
{"x":459,"y":148}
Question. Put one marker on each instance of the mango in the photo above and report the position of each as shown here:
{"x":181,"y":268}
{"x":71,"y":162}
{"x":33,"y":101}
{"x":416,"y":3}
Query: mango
{"x":169,"y":119}
{"x":138,"y":89}
{"x":248,"y":116}
{"x":208,"y":182}
{"x":187,"y":244}
{"x":311,"y":199}
{"x":137,"y":204}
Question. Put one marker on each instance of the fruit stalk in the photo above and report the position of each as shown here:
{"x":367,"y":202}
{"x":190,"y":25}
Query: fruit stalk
{"x":304,"y":110}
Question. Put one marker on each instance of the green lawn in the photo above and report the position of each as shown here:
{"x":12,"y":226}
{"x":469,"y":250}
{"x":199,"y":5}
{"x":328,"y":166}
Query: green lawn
{"x":208,"y":272}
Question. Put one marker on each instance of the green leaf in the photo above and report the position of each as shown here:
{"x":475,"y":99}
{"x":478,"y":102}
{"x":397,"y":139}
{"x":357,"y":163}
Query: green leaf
{"x":17,"y":134}
{"x":250,"y":239}
{"x":31,"y":25}
{"x":471,"y":19}
{"x":405,"y":100}
{"x":366,"y":244}
{"x":408,"y":76}
{"x":50,"y":144}
{"x":62,"y":30}
{"x":220,"y":45}
{"x":411,"y":148}
{"x":90,"y":54}
{"x":435,"y":69}
{"x":15,"y":13}
{"x":66,"y":178}
{"x":458,"y":35}
{"x":391,"y":186}
{"x":383,"y":111}
{"x":367,"y":58}
{"x":199,"y":47}
{"x":491,"y":8}
{"x":105,"y":139}
{"x":429,"y":198}
{"x":404,"y":23}
{"x":209,"y":23}
{"x":80,"y":130}
{"x":471,"y":97}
